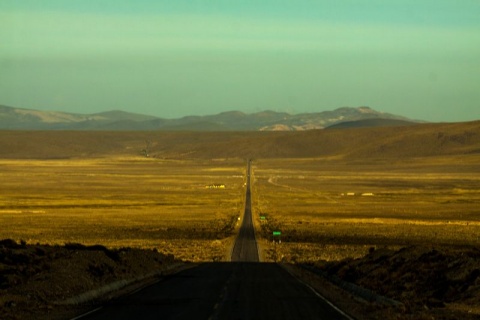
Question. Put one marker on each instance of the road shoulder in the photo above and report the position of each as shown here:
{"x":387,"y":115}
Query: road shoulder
{"x":355,"y":307}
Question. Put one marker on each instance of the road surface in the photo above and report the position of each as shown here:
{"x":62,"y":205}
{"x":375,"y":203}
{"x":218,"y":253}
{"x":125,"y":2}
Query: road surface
{"x":228,"y":290}
{"x":245,"y":248}
{"x":241,"y":289}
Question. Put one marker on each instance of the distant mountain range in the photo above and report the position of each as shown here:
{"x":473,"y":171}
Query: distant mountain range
{"x":26,"y":119}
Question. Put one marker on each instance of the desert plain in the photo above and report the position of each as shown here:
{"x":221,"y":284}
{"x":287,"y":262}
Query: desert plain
{"x":341,"y":199}
{"x":171,"y":205}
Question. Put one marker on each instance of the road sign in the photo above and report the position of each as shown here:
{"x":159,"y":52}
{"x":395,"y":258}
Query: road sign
{"x":262,"y":217}
{"x":276,"y":233}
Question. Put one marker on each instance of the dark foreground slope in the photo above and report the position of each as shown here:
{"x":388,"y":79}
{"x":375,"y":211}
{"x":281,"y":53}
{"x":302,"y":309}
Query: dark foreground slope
{"x":47,"y":282}
{"x":406,"y":141}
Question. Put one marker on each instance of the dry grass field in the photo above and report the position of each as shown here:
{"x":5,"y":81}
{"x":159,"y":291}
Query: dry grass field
{"x":331,"y":209}
{"x":405,"y":201}
{"x":124,"y":202}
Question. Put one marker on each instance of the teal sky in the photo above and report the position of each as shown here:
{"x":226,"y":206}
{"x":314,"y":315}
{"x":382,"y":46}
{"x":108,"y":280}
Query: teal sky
{"x":420,"y":59}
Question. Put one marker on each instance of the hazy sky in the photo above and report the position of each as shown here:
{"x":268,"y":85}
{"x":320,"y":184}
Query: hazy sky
{"x":417,"y":58}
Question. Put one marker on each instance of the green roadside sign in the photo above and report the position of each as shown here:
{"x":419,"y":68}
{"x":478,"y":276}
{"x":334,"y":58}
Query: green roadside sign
{"x":262,"y":217}
{"x":276,"y":233}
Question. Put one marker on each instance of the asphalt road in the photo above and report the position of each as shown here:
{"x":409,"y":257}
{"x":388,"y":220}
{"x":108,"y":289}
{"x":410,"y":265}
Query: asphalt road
{"x":241,"y":289}
{"x":245,"y":248}
{"x":235,"y":290}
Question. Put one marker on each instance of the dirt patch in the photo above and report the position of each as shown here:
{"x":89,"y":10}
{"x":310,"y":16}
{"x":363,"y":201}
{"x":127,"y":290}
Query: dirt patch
{"x":431,"y":282}
{"x":43,"y":282}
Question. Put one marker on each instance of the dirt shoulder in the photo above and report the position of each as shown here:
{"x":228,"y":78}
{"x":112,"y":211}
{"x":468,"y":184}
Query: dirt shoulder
{"x":429,"y":282}
{"x":57,"y":282}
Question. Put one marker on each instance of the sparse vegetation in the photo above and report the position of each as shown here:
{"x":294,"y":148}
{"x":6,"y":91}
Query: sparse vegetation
{"x":414,"y":240}
{"x":124,"y":202}
{"x":416,"y":201}
{"x":341,"y":197}
{"x":47,"y":282}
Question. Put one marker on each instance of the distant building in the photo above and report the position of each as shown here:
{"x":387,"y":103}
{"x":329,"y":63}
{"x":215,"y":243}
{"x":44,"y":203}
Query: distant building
{"x":215,"y":186}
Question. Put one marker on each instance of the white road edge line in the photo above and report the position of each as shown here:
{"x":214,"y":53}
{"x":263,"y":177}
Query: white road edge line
{"x":87,"y":313}
{"x":327,"y":301}
{"x":319,"y":295}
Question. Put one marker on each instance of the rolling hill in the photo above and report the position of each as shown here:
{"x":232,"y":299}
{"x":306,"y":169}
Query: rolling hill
{"x":352,"y":143}
{"x":373,"y":122}
{"x":26,"y":119}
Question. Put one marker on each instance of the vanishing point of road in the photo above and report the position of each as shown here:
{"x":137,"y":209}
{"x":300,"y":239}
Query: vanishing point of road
{"x":241,"y":289}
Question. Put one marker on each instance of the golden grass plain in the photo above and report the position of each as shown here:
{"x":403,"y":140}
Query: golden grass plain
{"x":331,"y":209}
{"x":164,"y":204}
{"x":124,"y":202}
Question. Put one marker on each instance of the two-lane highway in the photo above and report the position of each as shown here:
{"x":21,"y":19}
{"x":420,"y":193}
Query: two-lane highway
{"x":235,"y":290}
{"x":241,"y":289}
{"x":245,"y":248}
